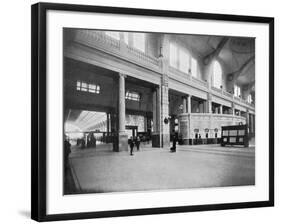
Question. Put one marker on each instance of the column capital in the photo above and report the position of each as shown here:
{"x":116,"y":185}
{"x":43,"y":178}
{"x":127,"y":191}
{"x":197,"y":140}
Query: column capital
{"x":122,"y":75}
{"x":155,"y":88}
{"x":184,"y":97}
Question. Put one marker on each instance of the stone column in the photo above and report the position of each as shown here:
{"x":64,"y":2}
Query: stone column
{"x":156,"y":119}
{"x":233,"y":109}
{"x":189,"y":104}
{"x":145,"y":123}
{"x":107,"y":127}
{"x":251,"y":123}
{"x":158,"y":111}
{"x":248,"y":120}
{"x":209,"y":103}
{"x":184,"y":104}
{"x":221,"y":112}
{"x":165,"y":127}
{"x":122,"y":136}
{"x":154,"y":111}
{"x":163,"y":97}
{"x":254,"y":123}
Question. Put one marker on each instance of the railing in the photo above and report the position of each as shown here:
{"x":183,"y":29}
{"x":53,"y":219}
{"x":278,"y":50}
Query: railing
{"x":142,"y":56}
{"x":96,"y":38}
{"x":237,"y":98}
{"x":199,"y":81}
{"x":178,"y":74}
{"x":216,"y":89}
{"x":250,"y":104}
{"x":212,"y":115}
{"x":100,"y":40}
{"x":230,"y":95}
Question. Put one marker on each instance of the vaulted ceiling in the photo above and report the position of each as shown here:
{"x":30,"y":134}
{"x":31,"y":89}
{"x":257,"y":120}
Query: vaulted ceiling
{"x":237,"y":54}
{"x":81,"y":120}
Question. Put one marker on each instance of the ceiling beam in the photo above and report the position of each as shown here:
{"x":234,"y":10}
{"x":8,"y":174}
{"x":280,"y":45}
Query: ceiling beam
{"x":250,"y":86}
{"x":241,"y":70}
{"x":214,"y":54}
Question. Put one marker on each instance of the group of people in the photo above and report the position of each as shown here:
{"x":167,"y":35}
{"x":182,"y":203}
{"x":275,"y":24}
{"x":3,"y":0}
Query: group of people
{"x":91,"y":141}
{"x":134,"y":142}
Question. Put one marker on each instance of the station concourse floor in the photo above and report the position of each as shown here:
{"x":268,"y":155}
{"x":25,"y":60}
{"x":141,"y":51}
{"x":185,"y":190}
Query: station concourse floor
{"x":101,"y":170}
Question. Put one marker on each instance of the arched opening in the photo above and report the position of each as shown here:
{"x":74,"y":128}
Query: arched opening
{"x":217,"y":74}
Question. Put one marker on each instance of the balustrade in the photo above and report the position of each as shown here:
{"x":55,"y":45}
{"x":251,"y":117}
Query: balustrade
{"x":99,"y":40}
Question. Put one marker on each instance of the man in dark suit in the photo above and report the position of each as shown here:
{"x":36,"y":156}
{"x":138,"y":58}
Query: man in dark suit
{"x":131,"y":144}
{"x":174,"y":140}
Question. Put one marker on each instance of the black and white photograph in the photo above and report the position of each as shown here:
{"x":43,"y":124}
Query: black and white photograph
{"x":141,"y":112}
{"x":149,"y":111}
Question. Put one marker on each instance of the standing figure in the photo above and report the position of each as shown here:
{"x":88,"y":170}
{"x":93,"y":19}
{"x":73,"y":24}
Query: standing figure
{"x":131,"y":143}
{"x":66,"y":153}
{"x":138,"y":142}
{"x":174,"y":140}
{"x":83,"y":143}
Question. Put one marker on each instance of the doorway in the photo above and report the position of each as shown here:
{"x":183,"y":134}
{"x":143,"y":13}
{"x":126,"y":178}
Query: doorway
{"x":131,"y":131}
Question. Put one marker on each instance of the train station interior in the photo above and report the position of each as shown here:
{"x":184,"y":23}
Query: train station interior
{"x":154,"y":86}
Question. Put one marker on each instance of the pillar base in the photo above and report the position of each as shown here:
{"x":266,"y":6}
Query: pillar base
{"x":166,"y":140}
{"x":122,"y":143}
{"x":186,"y":142}
{"x":156,"y":140}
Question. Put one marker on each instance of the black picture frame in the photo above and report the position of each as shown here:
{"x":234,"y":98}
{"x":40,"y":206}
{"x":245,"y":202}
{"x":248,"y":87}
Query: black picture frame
{"x":39,"y":108}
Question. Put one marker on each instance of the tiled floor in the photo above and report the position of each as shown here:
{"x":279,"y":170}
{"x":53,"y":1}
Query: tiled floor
{"x":101,"y":170}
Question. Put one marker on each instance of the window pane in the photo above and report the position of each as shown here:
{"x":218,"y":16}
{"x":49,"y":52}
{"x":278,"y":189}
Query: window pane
{"x":139,"y":41}
{"x":84,"y":86}
{"x":249,"y":98}
{"x":237,"y":91}
{"x":173,"y":55}
{"x":114,"y":35}
{"x":78,"y":85}
{"x":87,"y":87}
{"x":217,"y":75}
{"x":193,"y":67}
{"x":184,"y":61}
{"x":132,"y":96}
{"x":126,"y":38}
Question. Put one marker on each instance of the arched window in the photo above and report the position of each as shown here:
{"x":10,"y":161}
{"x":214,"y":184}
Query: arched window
{"x":139,"y":41}
{"x":126,"y":37}
{"x":217,"y":74}
{"x":183,"y":61}
{"x":194,"y":65}
{"x":249,"y":98}
{"x":136,"y":40}
{"x":173,"y":55}
{"x":237,"y":91}
{"x":179,"y":57}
